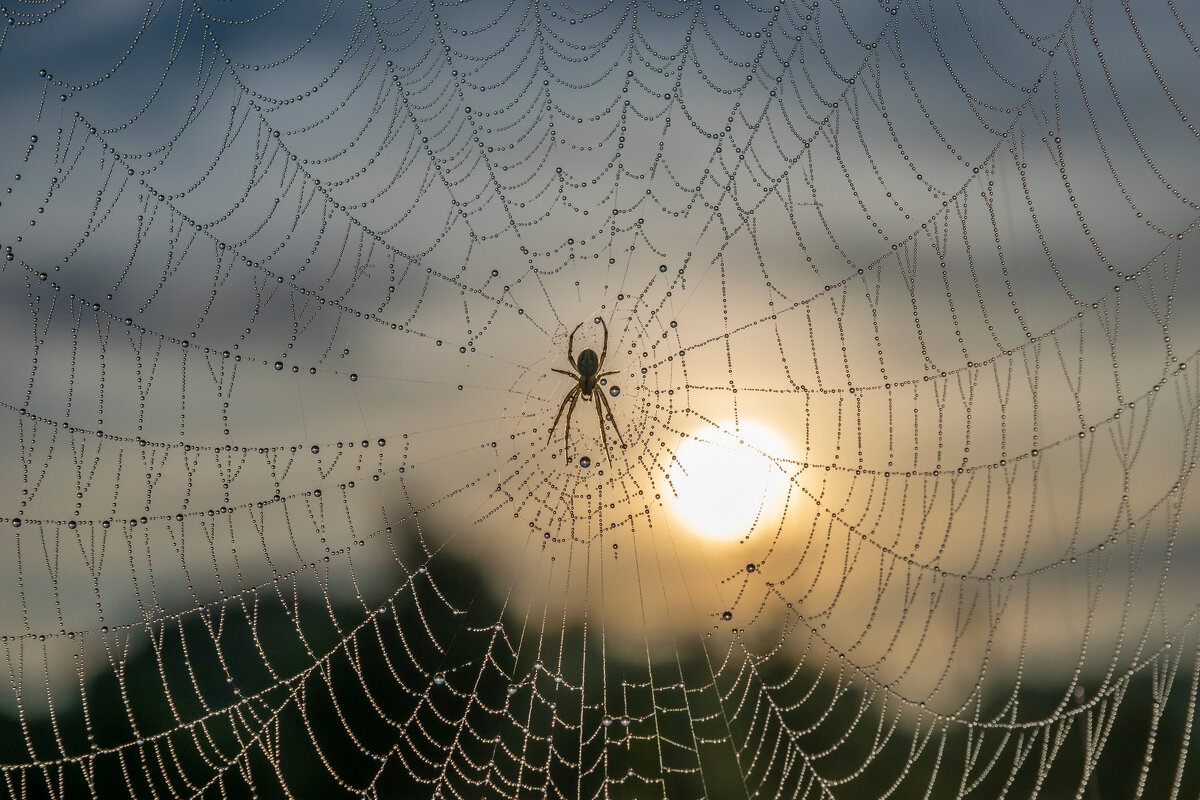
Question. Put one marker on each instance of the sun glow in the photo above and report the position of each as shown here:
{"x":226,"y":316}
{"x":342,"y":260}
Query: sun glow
{"x":726,"y":479}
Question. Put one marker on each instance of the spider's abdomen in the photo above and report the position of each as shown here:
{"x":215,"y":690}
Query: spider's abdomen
{"x":588,"y":363}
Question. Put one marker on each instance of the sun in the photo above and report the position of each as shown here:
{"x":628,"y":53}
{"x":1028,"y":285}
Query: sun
{"x":726,"y":478}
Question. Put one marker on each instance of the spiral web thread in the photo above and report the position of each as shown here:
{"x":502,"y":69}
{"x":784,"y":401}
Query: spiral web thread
{"x":285,"y":284}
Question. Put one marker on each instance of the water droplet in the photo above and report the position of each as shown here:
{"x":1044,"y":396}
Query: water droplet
{"x":662,"y":268}
{"x":439,"y":678}
{"x":585,"y":462}
{"x":614,"y":391}
{"x":728,"y":615}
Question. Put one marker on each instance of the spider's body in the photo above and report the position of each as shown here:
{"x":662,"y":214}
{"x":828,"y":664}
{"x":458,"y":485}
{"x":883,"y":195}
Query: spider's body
{"x":587,"y":377}
{"x":588,"y":364}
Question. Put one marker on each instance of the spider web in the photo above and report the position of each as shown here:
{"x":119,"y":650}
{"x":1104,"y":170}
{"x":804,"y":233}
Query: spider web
{"x":284,"y":286}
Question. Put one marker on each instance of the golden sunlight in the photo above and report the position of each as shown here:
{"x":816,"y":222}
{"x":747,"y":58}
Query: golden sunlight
{"x":727,"y":480}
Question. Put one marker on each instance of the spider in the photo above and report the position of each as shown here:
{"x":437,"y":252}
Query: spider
{"x":589,"y":376}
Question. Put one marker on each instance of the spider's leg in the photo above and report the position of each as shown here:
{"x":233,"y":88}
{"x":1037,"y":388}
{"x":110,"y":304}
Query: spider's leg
{"x":567,"y":431}
{"x":603,"y":435}
{"x":610,"y":372}
{"x":614,"y":418}
{"x":564,"y":372}
{"x":604,"y":350}
{"x":571,"y":347}
{"x":561,"y":406}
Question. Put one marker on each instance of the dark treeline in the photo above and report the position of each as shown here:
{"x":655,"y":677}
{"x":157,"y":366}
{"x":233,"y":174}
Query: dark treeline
{"x":428,"y":693}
